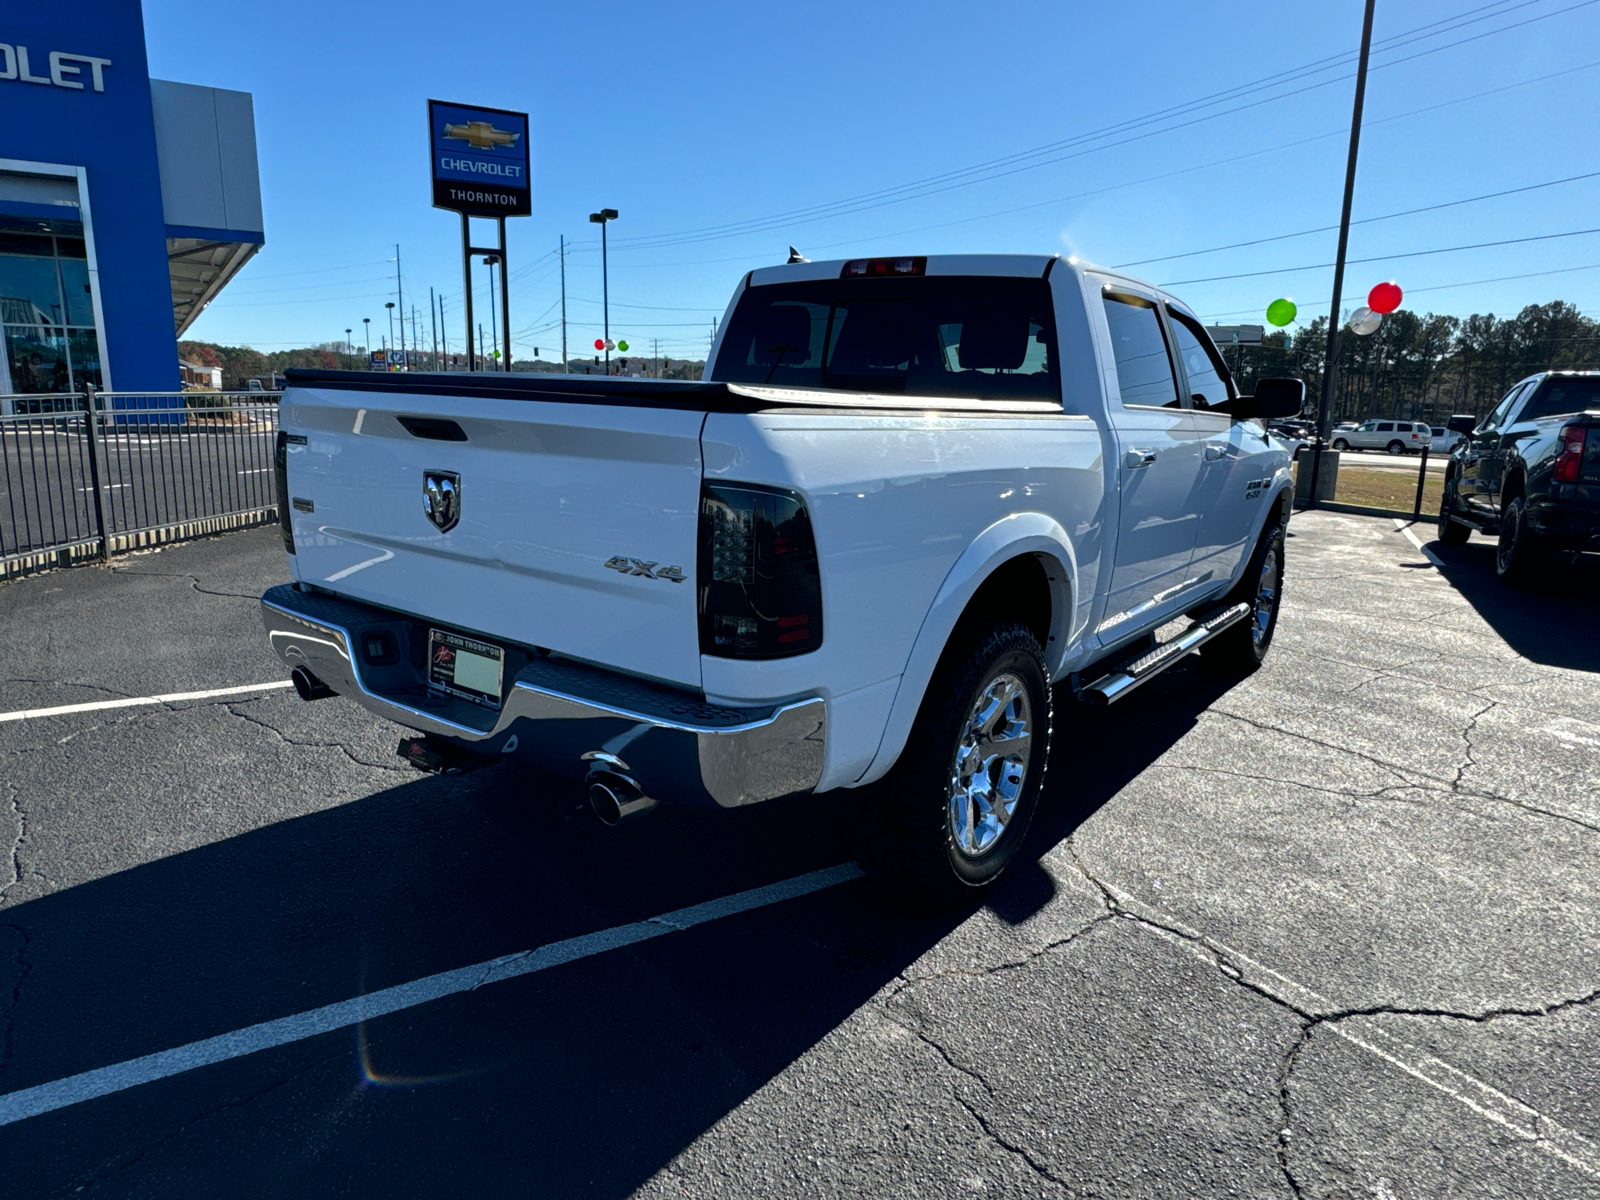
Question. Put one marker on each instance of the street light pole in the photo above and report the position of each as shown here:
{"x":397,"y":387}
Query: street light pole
{"x":349,"y":350}
{"x":390,"y":306}
{"x":1330,"y":369}
{"x":601,"y":218}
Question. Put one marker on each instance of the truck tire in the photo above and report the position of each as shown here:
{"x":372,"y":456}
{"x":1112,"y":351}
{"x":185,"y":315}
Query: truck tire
{"x":1450,"y":533}
{"x":1242,"y":647}
{"x":1396,"y":447}
{"x":952,"y":813}
{"x":1521,"y":557}
{"x":1340,"y":444}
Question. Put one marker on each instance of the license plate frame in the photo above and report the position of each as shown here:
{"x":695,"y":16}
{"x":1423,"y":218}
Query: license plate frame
{"x":448,"y":652}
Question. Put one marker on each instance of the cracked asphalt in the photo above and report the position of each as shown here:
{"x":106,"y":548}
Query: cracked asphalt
{"x":1331,"y":931}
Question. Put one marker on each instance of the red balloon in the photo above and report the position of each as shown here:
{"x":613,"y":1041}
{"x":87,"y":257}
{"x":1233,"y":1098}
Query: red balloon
{"x":1385,"y":297}
{"x":599,"y":343}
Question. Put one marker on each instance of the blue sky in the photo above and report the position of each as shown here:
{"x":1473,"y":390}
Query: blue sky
{"x":690,"y":119}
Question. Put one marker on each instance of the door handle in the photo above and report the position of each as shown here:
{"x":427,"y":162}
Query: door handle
{"x":1214,"y":452}
{"x":1139,"y":458}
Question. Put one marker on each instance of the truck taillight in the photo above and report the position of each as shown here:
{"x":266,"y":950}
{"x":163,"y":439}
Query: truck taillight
{"x":280,"y":474}
{"x":1569,"y":461}
{"x":760,"y":590}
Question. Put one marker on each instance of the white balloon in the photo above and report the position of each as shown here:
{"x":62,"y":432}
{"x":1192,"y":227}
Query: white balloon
{"x":1364,"y":321}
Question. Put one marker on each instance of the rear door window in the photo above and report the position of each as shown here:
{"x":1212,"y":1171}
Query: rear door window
{"x":960,"y":336}
{"x":1144,"y":368}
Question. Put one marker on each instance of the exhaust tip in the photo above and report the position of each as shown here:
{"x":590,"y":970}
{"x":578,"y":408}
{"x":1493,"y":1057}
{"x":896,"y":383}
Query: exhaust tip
{"x":616,"y":799}
{"x":308,"y":687}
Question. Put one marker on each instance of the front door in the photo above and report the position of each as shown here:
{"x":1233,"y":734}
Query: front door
{"x":1482,"y":458}
{"x":1158,"y":469}
{"x":1238,"y":461}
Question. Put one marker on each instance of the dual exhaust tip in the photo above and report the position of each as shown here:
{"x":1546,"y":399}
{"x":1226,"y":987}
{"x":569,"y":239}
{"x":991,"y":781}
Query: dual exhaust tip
{"x":615,"y":798}
{"x":308,"y":687}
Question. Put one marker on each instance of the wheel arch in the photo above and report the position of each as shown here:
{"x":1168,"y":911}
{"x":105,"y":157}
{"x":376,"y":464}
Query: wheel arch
{"x":1025,"y":556}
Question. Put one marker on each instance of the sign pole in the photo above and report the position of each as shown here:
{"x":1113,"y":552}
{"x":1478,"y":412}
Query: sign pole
{"x":466,"y":286}
{"x":505,"y":296}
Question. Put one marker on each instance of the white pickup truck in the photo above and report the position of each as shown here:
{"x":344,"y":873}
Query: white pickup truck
{"x":909,"y":496}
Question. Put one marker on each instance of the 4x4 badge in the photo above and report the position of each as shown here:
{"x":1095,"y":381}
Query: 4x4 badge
{"x":632,"y":566}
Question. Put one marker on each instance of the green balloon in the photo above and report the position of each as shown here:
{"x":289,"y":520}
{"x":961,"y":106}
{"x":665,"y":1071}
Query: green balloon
{"x":1281,"y":312}
{"x":622,"y":345}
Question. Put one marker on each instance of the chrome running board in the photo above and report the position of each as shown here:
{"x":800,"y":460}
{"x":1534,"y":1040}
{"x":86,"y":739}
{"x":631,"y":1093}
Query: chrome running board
{"x":1116,"y":684}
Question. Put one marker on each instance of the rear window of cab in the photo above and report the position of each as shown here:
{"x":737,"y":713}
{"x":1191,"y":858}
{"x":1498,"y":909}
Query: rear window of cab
{"x":960,"y":336}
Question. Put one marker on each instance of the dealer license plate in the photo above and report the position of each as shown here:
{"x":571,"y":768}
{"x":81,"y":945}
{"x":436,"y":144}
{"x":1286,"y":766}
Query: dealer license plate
{"x":465,"y":667}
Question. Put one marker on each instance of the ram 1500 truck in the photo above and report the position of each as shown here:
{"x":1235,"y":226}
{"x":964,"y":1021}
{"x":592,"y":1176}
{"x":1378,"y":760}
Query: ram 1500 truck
{"x":1529,"y":473}
{"x":908,"y":497}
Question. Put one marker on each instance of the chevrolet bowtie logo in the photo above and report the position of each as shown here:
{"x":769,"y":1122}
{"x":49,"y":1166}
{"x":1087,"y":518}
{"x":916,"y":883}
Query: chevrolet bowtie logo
{"x":632,"y":566}
{"x":481,"y":135}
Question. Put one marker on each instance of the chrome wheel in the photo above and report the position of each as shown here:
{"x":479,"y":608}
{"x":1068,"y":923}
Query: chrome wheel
{"x":1266,"y":598}
{"x":991,"y":766}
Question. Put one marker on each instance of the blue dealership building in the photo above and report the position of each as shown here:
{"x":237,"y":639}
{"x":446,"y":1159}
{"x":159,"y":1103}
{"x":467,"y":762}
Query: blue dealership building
{"x":126,"y":203}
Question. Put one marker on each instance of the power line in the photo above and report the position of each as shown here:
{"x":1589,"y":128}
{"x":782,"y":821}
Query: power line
{"x":1410,"y":212}
{"x":1541,"y":237}
{"x":892,"y":196}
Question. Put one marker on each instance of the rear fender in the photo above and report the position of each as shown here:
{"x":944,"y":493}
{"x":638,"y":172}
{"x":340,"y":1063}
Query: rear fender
{"x":1008,"y":538}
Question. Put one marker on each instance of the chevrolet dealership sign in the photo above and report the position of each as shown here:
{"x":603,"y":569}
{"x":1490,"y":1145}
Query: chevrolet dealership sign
{"x":480,"y":160}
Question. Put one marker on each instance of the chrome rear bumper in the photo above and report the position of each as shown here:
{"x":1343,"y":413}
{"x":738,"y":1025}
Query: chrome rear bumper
{"x":562,"y":715}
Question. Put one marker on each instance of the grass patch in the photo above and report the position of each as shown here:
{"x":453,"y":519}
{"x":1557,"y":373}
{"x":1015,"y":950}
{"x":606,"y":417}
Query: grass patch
{"x":1386,"y":489}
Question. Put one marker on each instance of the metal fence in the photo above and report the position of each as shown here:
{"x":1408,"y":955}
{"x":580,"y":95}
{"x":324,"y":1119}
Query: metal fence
{"x":99,"y":473}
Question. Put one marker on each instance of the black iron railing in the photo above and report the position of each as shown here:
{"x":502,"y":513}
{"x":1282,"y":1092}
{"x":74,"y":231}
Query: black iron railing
{"x":98,"y":473}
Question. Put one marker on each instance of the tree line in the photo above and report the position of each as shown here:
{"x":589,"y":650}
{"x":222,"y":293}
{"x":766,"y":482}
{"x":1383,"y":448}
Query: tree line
{"x":1426,"y":367}
{"x":240,"y":364}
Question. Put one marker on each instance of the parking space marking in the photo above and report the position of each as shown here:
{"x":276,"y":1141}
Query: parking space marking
{"x":61,"y":710}
{"x":103,"y":1081}
{"x":1405,"y":528}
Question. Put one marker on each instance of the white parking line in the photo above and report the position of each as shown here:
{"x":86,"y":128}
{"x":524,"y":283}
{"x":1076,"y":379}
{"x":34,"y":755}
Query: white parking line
{"x":1405,"y":528}
{"x":61,"y":710}
{"x":75,"y":1089}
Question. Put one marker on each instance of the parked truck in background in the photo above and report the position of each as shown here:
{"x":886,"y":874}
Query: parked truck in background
{"x":909,"y":496}
{"x":1529,"y":474}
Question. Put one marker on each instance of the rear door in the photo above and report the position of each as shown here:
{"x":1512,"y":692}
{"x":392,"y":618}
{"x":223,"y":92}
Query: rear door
{"x":1159,"y":466}
{"x":568,"y":526}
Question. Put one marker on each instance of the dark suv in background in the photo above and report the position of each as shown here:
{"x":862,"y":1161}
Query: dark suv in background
{"x":1529,"y":473}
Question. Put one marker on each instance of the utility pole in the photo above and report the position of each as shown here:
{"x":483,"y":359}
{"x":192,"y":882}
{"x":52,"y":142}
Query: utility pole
{"x":400,"y":295}
{"x":480,"y":339}
{"x":600,"y":218}
{"x":433,"y":328}
{"x":1330,"y":369}
{"x":444,"y":330}
{"x":564,"y":369}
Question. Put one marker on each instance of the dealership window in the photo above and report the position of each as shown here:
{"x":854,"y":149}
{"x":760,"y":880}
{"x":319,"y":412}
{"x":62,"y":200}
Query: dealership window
{"x":46,"y":309}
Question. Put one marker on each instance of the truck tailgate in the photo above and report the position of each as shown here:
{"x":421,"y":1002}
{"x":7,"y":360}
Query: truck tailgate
{"x":548,"y":494}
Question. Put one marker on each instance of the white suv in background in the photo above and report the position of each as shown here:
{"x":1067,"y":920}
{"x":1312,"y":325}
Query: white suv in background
{"x":1397,"y":437}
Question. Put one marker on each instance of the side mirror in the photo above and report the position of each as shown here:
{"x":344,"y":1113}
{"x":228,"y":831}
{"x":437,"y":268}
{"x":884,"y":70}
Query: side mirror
{"x":1273,"y":398}
{"x":1462,"y":423}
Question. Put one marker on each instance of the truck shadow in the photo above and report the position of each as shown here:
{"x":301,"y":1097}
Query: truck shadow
{"x":1551,"y":623}
{"x":582,"y":1080}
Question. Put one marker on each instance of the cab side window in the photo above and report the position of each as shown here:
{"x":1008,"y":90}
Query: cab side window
{"x":1144,"y":368}
{"x":1207,"y":374}
{"x":1495,"y":419}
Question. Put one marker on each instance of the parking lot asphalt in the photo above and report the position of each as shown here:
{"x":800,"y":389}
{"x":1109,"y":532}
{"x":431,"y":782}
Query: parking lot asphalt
{"x":1331,"y":931}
